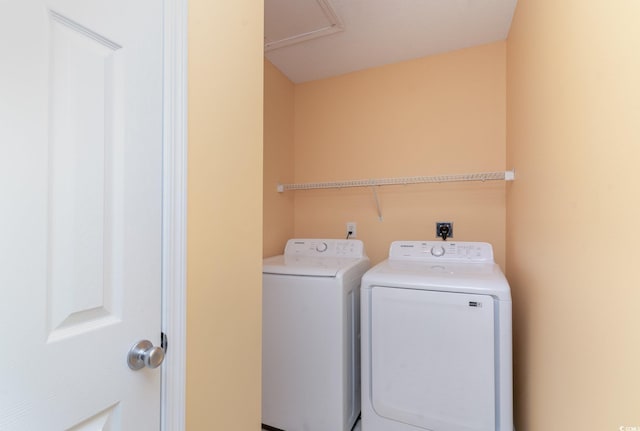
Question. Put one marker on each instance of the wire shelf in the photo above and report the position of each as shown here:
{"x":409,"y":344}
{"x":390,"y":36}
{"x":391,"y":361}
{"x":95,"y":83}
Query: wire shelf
{"x":482,"y":176}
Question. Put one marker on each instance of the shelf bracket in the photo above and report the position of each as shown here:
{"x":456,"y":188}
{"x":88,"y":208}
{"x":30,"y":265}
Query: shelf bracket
{"x":375,"y":197}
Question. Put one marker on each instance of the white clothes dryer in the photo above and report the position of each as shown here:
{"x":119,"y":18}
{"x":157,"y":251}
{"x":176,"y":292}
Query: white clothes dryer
{"x":436,"y":340}
{"x":310,"y":335}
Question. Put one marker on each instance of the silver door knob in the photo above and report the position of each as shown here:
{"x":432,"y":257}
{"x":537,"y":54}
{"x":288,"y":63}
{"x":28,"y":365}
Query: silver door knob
{"x":143,"y":353}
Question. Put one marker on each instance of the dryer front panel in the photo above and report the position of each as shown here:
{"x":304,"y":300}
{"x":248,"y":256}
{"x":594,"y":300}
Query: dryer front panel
{"x":433,"y":358}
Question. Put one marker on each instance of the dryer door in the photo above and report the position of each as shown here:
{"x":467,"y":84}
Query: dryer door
{"x":432,"y":358}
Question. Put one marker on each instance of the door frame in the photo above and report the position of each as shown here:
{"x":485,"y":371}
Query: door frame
{"x":174,"y":220}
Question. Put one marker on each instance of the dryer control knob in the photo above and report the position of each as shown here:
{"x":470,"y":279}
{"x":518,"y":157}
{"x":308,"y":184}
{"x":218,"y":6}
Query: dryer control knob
{"x":437,"y":251}
{"x":322,"y":247}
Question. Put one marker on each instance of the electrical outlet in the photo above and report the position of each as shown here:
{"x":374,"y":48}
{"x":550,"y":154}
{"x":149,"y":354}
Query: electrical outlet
{"x":351,"y":229}
{"x":444,"y":230}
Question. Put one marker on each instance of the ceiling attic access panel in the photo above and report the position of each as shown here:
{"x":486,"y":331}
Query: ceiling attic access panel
{"x":288,"y":22}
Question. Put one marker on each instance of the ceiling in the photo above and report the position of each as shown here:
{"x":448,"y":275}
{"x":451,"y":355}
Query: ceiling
{"x":314,"y":39}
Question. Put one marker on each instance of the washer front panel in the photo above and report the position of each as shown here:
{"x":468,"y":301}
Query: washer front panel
{"x":433,"y":358}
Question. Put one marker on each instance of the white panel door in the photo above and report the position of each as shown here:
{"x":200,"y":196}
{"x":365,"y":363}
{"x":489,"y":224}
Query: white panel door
{"x":80,"y":212}
{"x":432,"y":359}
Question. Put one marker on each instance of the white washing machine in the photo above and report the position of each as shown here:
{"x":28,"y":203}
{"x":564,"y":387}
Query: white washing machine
{"x":310,"y":335}
{"x":436,"y":340}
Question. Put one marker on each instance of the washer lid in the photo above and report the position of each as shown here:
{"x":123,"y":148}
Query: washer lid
{"x":307,"y":265}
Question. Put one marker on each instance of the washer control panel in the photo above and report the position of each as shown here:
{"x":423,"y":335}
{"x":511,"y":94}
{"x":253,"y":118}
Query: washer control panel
{"x":325,"y":248}
{"x":450,"y":251}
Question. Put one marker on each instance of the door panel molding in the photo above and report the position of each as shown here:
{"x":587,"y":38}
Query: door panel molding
{"x":174,"y":215}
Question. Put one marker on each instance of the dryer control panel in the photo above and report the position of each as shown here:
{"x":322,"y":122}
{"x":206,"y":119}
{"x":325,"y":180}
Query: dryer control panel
{"x":325,"y":248}
{"x":449,"y":251}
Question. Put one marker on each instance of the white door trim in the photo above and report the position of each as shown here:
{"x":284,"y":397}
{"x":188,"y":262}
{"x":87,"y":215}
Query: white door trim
{"x":174,"y":318}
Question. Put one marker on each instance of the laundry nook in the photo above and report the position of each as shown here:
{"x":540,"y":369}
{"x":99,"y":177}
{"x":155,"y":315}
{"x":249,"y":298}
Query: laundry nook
{"x":475,"y":148}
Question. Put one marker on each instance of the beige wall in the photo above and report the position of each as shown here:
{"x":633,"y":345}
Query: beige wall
{"x":443,"y":114}
{"x":224,"y":215}
{"x":573,"y":211}
{"x":278,"y":160}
